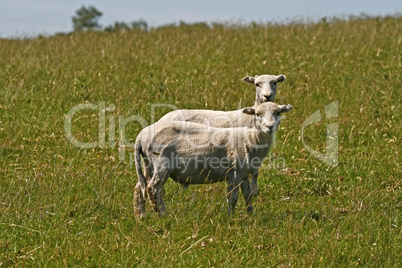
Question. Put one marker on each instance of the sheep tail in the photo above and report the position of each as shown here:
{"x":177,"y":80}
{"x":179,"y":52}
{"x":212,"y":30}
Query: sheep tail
{"x":139,"y":191}
{"x":137,"y":158}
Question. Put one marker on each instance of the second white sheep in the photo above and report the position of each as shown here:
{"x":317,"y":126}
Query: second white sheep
{"x":192,"y":153}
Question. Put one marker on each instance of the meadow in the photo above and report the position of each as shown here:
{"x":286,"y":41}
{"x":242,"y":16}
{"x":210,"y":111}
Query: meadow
{"x":66,"y":205}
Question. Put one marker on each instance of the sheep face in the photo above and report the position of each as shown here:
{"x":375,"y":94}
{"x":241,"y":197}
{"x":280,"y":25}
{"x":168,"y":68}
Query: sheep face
{"x":265,"y":85}
{"x":267,"y":116}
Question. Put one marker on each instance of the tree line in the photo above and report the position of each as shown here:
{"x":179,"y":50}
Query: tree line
{"x":87,"y":18}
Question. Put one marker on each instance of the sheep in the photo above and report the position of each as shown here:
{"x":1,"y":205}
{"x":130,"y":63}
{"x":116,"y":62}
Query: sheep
{"x":192,"y":153}
{"x":266,"y":87}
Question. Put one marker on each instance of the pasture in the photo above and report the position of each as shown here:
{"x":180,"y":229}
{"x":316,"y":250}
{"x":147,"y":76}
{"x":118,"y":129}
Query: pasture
{"x":66,"y":205}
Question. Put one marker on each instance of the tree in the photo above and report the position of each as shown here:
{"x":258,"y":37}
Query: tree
{"x":140,"y":24}
{"x":118,"y":26}
{"x":86,"y":18}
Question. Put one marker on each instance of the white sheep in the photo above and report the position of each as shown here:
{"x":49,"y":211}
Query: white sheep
{"x":192,"y":153}
{"x":265,"y":86}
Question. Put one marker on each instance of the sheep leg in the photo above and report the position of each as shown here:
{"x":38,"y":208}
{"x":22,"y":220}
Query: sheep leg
{"x":156,"y":192}
{"x":139,"y":201}
{"x":253,"y":185}
{"x":161,"y":194}
{"x":233,"y":191}
{"x":247,"y":194}
{"x":148,"y":169}
{"x":184,"y":187}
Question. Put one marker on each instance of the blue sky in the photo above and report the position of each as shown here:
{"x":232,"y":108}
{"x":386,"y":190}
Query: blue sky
{"x":32,"y":17}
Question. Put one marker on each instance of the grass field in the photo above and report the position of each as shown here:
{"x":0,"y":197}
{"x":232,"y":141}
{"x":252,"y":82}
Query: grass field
{"x":62,"y":205}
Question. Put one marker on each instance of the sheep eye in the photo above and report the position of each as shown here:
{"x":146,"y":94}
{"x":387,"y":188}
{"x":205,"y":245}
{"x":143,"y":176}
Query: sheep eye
{"x":274,"y":83}
{"x":257,"y":85}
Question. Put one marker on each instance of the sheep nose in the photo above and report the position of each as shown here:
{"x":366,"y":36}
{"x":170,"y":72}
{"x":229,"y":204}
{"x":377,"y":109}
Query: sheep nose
{"x":267,"y":97}
{"x":270,"y":129}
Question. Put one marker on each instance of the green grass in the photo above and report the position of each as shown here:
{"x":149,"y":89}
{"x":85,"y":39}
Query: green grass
{"x":65,"y":206}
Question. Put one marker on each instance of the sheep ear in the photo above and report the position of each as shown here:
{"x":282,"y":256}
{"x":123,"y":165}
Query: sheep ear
{"x":285,"y":108}
{"x":280,"y":78}
{"x":249,"y":111}
{"x":249,"y":79}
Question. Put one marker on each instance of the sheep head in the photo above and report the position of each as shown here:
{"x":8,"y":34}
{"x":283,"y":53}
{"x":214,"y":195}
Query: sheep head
{"x":265,"y":85}
{"x":267,"y":116}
